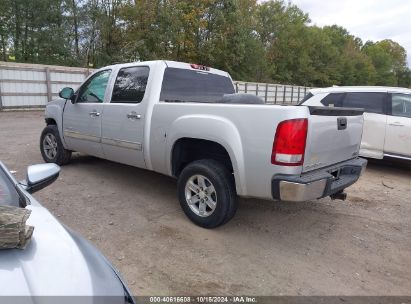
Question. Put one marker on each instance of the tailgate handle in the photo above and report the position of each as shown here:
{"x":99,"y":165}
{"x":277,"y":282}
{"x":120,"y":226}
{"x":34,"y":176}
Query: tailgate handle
{"x":342,"y":123}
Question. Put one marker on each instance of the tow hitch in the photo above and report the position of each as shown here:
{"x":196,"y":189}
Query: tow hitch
{"x":341,"y":195}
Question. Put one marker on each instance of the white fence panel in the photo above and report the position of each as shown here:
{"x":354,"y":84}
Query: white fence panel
{"x":33,"y":85}
{"x":273,"y":93}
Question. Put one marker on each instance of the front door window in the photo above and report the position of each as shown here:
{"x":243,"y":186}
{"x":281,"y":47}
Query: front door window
{"x":93,"y":89}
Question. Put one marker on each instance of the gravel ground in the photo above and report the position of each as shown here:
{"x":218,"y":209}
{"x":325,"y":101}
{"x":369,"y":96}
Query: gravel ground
{"x":361,"y":246}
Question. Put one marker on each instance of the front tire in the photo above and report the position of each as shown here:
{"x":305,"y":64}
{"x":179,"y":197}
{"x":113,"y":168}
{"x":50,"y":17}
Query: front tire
{"x":206,"y":192}
{"x":51,"y":147}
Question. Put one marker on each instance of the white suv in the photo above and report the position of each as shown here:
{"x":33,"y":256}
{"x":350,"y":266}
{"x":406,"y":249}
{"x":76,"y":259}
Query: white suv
{"x":387,"y":117}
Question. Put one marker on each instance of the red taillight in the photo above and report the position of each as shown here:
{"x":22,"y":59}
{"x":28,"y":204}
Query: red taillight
{"x":289,"y":142}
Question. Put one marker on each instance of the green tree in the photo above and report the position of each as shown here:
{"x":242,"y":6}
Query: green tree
{"x":389,"y":60}
{"x":270,"y":41}
{"x":5,"y":25}
{"x":282,"y":30}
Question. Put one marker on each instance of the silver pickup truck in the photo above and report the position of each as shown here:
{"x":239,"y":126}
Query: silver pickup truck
{"x":185,"y":121}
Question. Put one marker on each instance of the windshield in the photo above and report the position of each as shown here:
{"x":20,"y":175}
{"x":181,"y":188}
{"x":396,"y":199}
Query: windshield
{"x":182,"y":85}
{"x":8,"y":194}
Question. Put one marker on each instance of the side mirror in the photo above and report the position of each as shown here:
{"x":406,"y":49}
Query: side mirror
{"x":66,"y":93}
{"x":40,"y":176}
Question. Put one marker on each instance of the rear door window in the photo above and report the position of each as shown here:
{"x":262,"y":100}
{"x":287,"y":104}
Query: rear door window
{"x":130,"y":85}
{"x":183,"y":85}
{"x":333,"y":100}
{"x":370,"y":102}
{"x":401,"y":105}
{"x":306,"y":97}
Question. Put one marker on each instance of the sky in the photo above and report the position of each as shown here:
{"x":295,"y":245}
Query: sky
{"x":367,"y":19}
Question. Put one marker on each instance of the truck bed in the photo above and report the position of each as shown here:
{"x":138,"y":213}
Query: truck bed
{"x":247,"y":133}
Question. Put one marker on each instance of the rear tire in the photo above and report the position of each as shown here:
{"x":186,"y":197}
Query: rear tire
{"x":206,"y":192}
{"x":51,"y":147}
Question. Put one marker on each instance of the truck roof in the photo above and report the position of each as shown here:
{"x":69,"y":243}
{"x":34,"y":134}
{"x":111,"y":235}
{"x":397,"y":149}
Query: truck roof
{"x":376,"y":89}
{"x":168,"y":63}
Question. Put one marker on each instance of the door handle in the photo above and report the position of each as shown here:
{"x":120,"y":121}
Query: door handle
{"x":396,"y":124}
{"x":94,"y":113}
{"x":133,"y":115}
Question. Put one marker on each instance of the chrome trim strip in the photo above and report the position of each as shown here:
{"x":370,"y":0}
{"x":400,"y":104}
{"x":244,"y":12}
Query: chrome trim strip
{"x":397,"y":156}
{"x":79,"y":135}
{"x":122,"y":143}
{"x":108,"y":141}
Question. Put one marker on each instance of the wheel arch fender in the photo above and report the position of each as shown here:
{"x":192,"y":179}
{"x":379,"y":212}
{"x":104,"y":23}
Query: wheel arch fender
{"x":212,"y":128}
{"x":54,"y":112}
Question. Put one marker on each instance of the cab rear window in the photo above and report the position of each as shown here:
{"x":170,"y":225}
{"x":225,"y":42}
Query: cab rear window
{"x":184,"y":85}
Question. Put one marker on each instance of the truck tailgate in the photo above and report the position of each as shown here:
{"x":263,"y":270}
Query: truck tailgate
{"x":334,"y":135}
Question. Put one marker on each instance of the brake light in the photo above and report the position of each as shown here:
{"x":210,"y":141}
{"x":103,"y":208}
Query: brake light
{"x":289,"y":142}
{"x":199,"y":67}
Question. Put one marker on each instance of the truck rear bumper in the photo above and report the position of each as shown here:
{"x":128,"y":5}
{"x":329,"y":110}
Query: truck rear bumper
{"x":318,"y":183}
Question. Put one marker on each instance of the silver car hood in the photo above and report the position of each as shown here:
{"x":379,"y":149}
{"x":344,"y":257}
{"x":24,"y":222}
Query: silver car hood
{"x":57,"y":262}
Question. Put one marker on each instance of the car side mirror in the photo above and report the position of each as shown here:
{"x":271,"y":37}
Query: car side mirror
{"x":40,"y":176}
{"x":66,"y":93}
